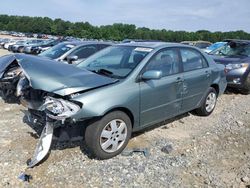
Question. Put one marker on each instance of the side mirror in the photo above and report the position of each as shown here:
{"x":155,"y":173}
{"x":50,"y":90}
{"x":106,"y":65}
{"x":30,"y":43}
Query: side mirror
{"x":70,"y":59}
{"x":152,"y":75}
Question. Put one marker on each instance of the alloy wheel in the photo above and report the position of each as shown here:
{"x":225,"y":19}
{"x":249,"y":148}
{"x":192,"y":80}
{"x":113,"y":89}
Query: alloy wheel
{"x":113,"y":136}
{"x":211,"y":102}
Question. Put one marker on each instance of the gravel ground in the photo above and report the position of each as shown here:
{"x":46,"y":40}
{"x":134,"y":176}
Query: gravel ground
{"x":199,"y":152}
{"x":4,"y":52}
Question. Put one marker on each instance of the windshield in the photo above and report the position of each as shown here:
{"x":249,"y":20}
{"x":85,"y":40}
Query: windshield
{"x":57,"y":50}
{"x":232,"y":49}
{"x":115,"y":61}
{"x":216,"y":45}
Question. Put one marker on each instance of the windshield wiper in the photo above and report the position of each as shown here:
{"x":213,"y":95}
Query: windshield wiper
{"x":104,"y":72}
{"x":107,"y":73}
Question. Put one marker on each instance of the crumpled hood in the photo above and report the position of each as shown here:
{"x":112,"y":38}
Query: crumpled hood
{"x":229,"y":59}
{"x":51,"y":76}
{"x":5,"y":61}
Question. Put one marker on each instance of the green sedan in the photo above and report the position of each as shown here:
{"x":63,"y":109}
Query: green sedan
{"x":119,"y":90}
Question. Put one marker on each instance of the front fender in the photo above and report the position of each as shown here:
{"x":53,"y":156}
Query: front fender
{"x":98,"y":102}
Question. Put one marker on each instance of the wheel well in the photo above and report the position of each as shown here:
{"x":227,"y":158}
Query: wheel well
{"x":216,"y":87}
{"x":126,"y":111}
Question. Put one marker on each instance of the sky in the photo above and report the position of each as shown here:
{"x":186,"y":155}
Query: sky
{"x":188,"y":15}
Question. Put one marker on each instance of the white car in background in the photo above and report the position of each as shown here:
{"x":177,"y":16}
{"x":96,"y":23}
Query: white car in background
{"x":11,"y":42}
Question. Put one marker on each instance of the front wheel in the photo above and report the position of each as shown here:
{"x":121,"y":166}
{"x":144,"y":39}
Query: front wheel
{"x":108,"y":137}
{"x":208,"y":103}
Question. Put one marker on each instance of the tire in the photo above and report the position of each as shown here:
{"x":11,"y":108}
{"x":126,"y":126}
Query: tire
{"x":246,"y":89}
{"x":103,"y":141}
{"x":208,"y":107}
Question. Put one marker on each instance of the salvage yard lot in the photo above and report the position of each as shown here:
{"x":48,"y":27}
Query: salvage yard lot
{"x":207,"y":151}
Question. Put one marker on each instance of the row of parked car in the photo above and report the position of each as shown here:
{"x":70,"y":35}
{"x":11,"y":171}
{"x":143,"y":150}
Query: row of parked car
{"x":29,"y":45}
{"x":234,"y":54}
{"x":113,"y":89}
{"x":26,"y":34}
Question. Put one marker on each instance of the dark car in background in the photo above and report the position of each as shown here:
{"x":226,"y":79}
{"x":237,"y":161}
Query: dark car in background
{"x":59,"y":50}
{"x":83,"y":51}
{"x":70,"y":52}
{"x":235,"y":55}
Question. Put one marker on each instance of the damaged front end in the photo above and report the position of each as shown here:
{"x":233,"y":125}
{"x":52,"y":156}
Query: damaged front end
{"x":57,"y":111}
{"x":49,"y":111}
{"x":12,"y":78}
{"x":45,"y":87}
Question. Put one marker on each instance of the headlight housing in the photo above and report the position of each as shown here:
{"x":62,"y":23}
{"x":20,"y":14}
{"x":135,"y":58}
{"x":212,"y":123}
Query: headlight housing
{"x":12,"y":73}
{"x":59,"y":109}
{"x":230,"y":67}
{"x":21,"y":85}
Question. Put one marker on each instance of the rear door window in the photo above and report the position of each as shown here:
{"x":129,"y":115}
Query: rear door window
{"x":192,"y":60}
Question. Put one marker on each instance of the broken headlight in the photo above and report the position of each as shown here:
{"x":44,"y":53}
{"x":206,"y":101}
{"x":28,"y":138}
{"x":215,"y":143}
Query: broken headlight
{"x":12,"y":73}
{"x":60,"y":109}
{"x":22,"y":84}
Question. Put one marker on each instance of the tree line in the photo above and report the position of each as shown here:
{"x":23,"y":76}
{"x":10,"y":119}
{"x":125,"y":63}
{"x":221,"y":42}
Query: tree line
{"x":117,"y":31}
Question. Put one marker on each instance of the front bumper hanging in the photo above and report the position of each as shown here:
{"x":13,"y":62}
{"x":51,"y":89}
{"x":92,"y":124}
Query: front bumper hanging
{"x":43,"y":145}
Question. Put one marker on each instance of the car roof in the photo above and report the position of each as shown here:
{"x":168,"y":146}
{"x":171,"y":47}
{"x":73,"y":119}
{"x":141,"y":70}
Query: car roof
{"x":151,"y":44}
{"x":196,"y":41}
{"x":77,"y":43}
{"x":237,"y":41}
{"x":95,"y":42}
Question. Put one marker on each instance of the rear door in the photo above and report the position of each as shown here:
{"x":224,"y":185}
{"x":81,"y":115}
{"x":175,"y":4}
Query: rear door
{"x":161,"y":99}
{"x":197,"y":78}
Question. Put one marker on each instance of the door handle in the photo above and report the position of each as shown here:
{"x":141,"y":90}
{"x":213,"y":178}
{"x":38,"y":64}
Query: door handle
{"x":179,"y":80}
{"x":207,"y":73}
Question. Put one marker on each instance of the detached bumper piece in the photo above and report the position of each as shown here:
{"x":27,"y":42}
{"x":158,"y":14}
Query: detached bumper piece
{"x":43,"y":145}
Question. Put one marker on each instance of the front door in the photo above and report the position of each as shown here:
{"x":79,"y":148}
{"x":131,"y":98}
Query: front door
{"x":161,"y":99}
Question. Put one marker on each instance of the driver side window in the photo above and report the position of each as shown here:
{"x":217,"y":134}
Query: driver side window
{"x":166,"y":61}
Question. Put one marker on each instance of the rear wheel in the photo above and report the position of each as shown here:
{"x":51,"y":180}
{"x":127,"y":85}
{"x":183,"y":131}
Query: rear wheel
{"x":208,"y":103}
{"x":108,"y":137}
